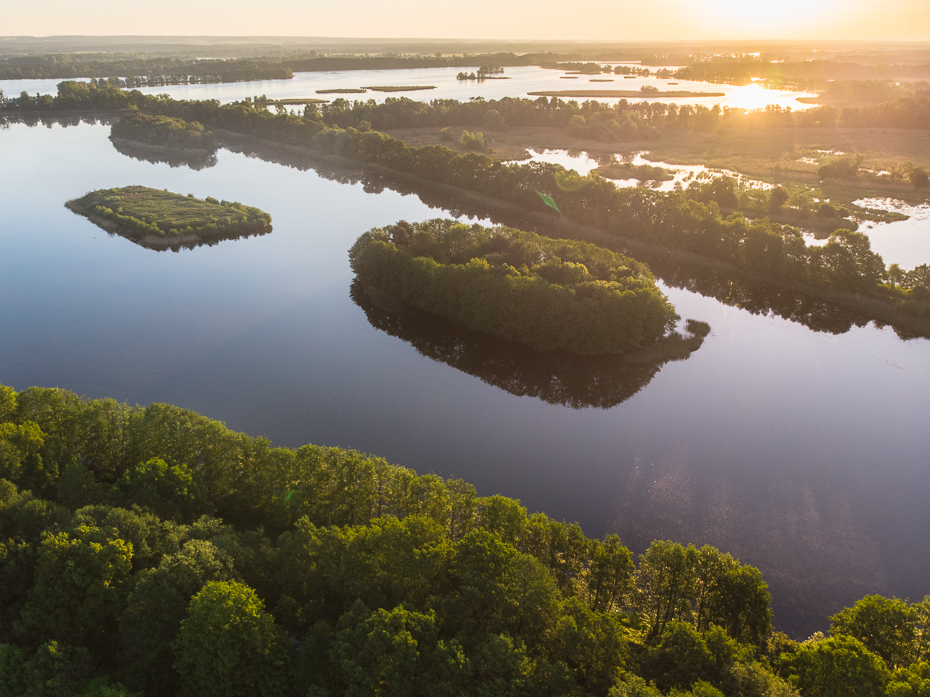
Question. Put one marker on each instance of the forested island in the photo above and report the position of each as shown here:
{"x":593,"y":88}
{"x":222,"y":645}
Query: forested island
{"x":152,"y":551}
{"x":547,"y":294}
{"x":163,"y":131}
{"x":161,"y":219}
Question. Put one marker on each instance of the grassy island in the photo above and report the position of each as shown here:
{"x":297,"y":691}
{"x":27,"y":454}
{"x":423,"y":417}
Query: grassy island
{"x":343,"y":90}
{"x":163,"y":132}
{"x":160,"y":219}
{"x":625,"y":94}
{"x":399,"y":88}
{"x":544,"y":293}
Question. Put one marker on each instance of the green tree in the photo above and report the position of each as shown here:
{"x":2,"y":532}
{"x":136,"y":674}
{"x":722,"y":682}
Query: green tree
{"x":837,"y":667}
{"x":229,"y":646}
{"x":167,"y":490}
{"x":885,"y":627}
{"x":397,"y":652}
{"x":82,"y":579}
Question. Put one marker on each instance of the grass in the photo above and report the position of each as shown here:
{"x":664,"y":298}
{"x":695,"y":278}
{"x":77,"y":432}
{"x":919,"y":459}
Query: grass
{"x":343,"y":90}
{"x":299,"y":100}
{"x":627,"y":94}
{"x":400,"y":88}
{"x":139,"y":212}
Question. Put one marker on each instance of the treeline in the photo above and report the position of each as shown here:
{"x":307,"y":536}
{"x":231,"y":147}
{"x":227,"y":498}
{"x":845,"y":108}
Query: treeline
{"x":69,"y":66}
{"x":150,"y":550}
{"x":801,"y":73}
{"x":546,"y":294}
{"x":622,"y":120}
{"x":163,"y":131}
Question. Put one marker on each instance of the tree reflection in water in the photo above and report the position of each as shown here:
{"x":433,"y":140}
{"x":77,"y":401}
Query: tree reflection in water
{"x":556,"y":377}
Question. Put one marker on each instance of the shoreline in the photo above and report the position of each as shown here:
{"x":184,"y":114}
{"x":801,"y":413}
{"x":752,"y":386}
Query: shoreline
{"x":876,"y":308}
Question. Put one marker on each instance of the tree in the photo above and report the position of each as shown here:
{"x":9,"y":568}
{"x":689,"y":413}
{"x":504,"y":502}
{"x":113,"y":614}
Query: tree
{"x":229,"y":646}
{"x":167,"y":490}
{"x":778,"y":197}
{"x":836,"y":667}
{"x":397,"y":652}
{"x":665,"y":584}
{"x":885,"y":627}
{"x":81,"y":582}
{"x":680,"y":658}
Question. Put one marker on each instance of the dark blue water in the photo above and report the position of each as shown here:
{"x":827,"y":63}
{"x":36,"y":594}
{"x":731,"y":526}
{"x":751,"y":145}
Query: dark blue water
{"x":802,"y":453}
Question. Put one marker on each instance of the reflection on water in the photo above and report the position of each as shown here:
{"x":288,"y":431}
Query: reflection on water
{"x":195,"y":159}
{"x":555,"y":377}
{"x":757,"y":297}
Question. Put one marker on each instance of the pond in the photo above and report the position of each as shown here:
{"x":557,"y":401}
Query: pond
{"x":801,"y":452}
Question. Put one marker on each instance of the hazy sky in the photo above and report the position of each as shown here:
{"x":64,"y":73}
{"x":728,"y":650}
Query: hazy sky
{"x":492,"y":19}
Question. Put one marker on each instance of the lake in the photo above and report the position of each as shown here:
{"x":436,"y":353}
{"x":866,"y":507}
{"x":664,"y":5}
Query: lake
{"x":522,"y":79}
{"x":801,"y":452}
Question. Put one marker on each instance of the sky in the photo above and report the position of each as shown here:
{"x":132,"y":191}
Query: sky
{"x":592,"y":20}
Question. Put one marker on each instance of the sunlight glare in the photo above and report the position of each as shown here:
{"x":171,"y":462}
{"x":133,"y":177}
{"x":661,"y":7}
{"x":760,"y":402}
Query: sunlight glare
{"x":753,"y":96}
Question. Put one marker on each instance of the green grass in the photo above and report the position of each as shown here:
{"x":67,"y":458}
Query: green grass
{"x":141,"y":212}
{"x":628,"y":94}
{"x":401,"y":88}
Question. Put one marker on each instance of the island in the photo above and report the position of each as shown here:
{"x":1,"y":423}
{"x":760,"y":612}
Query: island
{"x":544,"y":293}
{"x":160,"y":219}
{"x":626,"y":94}
{"x":399,"y":88}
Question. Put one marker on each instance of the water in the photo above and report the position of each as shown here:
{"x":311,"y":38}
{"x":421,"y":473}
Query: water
{"x":800,"y":452}
{"x":903,"y":242}
{"x":522,"y":80}
{"x":682,"y":175}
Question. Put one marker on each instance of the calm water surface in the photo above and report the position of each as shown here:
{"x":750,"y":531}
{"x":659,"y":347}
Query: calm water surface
{"x":521,"y":81}
{"x":802,"y":453}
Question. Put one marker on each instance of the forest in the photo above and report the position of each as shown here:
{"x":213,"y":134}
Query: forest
{"x":544,"y":293}
{"x":163,"y":131}
{"x":152,"y":551}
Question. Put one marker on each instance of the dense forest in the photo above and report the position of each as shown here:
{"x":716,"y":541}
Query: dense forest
{"x":152,"y":551}
{"x":544,"y":293}
{"x":163,"y":131}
